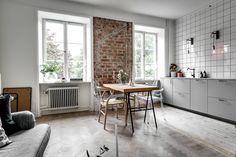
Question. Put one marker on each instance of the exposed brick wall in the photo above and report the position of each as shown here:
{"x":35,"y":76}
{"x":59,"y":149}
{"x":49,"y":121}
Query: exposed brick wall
{"x":112,"y":48}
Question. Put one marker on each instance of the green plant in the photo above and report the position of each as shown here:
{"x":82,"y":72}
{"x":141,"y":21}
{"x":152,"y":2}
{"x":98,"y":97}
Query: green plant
{"x":173,"y":67}
{"x":122,"y":76}
{"x":51,"y":67}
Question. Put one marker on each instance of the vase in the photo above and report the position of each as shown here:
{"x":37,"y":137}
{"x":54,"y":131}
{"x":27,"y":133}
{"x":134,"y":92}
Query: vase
{"x":179,"y":74}
{"x":173,"y":74}
{"x":51,"y":77}
{"x":122,"y":81}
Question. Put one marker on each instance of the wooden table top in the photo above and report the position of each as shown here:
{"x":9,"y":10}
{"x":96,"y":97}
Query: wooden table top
{"x":125,"y":88}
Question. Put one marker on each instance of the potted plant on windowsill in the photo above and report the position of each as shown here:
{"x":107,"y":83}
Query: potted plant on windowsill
{"x":173,"y":69}
{"x":50,"y":71}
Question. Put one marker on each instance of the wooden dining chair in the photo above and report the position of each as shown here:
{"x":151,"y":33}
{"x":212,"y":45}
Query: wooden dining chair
{"x":156,"y":97}
{"x":114,"y":101}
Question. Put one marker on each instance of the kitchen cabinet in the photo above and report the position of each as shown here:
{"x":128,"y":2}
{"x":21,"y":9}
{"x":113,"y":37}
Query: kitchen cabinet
{"x":181,"y":93}
{"x":198,"y":95}
{"x":181,"y":99}
{"x":223,"y":108}
{"x":216,"y":97}
{"x":222,"y":89}
{"x":181,"y":85}
{"x":222,"y":98}
{"x":168,"y":90}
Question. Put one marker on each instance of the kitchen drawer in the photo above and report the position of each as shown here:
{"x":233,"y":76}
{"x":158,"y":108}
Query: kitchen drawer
{"x":181,"y":99}
{"x":222,"y":89}
{"x":222,"y":108}
{"x":228,"y":88}
{"x":181,"y":85}
{"x":214,"y":88}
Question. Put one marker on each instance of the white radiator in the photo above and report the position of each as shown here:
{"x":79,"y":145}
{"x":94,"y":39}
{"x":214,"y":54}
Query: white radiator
{"x":63,"y":97}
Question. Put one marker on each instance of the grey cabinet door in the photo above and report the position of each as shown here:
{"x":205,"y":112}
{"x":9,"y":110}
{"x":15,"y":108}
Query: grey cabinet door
{"x":181,"y":92}
{"x":222,"y":108}
{"x":181,"y":99}
{"x":222,"y":89}
{"x":168,"y":90}
{"x":181,"y":85}
{"x":199,"y":95}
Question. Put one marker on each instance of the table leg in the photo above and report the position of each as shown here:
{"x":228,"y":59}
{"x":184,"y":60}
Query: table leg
{"x":129,"y":108}
{"x":153,"y":109}
{"x":146,"y":108}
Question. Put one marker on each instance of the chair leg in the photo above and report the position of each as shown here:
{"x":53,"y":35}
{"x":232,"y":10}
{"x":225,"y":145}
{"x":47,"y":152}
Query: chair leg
{"x":134,"y":101}
{"x":105,"y":117}
{"x":99,"y":114}
{"x":162,"y":110}
{"x":126,"y":114}
{"x":117,"y":111}
{"x":146,"y":108}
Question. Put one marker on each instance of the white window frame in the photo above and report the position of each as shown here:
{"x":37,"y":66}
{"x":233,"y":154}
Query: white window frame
{"x":143,"y":78}
{"x":65,"y":24}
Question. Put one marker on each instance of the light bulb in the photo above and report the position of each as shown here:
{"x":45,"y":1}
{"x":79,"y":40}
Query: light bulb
{"x":213,"y":49}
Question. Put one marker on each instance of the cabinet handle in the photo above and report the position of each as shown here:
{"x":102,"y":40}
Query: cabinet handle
{"x":222,"y":100}
{"x":222,"y":80}
{"x":180,"y":94}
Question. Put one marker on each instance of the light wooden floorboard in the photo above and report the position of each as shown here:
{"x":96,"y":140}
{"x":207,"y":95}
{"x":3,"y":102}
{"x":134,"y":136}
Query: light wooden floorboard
{"x":216,"y":134}
{"x":181,"y":135}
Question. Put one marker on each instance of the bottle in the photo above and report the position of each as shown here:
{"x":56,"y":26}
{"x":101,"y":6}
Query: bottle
{"x":201,"y":75}
{"x":204,"y":74}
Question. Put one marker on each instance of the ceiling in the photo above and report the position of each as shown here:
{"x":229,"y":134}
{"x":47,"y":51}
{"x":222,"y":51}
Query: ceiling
{"x":171,"y":9}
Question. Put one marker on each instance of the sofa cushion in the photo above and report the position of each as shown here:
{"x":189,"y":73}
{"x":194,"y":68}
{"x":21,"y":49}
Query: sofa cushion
{"x":28,"y":143}
{"x":24,"y":119}
{"x":3,"y":138}
{"x":5,"y":112}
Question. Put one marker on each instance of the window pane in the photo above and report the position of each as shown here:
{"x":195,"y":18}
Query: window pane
{"x":149,"y":56}
{"x":138,"y":40}
{"x":75,"y":33}
{"x":75,"y":61}
{"x":76,"y":50}
{"x":150,"y":42}
{"x":138,"y":72}
{"x":54,"y":41}
{"x":149,"y":72}
{"x":138,"y":56}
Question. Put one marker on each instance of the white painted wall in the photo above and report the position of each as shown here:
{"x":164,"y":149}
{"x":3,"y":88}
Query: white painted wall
{"x":18,"y":36}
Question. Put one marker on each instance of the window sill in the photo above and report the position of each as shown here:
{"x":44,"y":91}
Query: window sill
{"x":64,"y":82}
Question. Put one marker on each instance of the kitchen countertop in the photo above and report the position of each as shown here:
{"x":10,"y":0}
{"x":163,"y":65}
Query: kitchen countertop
{"x":233,"y":79}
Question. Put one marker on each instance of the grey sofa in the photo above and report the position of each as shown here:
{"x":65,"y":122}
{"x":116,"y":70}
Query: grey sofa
{"x":27,"y":142}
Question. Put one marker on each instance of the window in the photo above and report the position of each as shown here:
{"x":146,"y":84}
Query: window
{"x":64,"y":43}
{"x":145,"y":55}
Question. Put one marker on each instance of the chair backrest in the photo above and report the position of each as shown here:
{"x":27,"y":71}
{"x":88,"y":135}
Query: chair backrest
{"x":158,"y":92}
{"x":156,"y":83}
{"x":95,"y":89}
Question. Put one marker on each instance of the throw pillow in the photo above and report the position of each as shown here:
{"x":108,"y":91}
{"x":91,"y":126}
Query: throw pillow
{"x":3,"y":138}
{"x":8,"y":124}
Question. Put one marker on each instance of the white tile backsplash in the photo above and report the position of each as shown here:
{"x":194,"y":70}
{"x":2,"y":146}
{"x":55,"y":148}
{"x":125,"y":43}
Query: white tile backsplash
{"x":199,"y":25}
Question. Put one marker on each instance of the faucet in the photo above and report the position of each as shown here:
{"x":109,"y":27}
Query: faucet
{"x":193,"y":69}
